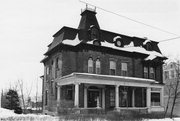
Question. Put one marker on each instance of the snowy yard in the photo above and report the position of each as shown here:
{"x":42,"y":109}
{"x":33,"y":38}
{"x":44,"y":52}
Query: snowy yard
{"x":8,"y":115}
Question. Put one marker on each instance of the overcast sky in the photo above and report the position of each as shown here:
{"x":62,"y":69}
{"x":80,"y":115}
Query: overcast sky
{"x":27,"y":26}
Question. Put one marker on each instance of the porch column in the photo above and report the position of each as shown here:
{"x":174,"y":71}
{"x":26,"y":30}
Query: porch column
{"x":103,"y":98}
{"x":133,"y":97}
{"x":117,"y":96}
{"x":85,"y":97}
{"x":148,"y":97}
{"x":162,"y":97}
{"x":76,"y":97}
{"x":58,"y":95}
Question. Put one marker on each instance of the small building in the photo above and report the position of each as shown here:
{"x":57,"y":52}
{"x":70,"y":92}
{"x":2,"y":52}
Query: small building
{"x":91,"y":68}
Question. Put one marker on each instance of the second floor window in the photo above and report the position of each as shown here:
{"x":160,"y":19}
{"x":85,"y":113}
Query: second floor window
{"x":166,"y":73}
{"x":98,"y":66}
{"x":112,"y":68}
{"x":145,"y":72}
{"x":172,"y":74}
{"x":47,"y":70}
{"x":124,"y":69}
{"x":90,"y":65}
{"x":151,"y":73}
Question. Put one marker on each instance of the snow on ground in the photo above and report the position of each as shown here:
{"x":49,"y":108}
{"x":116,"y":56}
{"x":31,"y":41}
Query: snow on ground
{"x":165,"y":119}
{"x":10,"y":115}
{"x":6,"y":113}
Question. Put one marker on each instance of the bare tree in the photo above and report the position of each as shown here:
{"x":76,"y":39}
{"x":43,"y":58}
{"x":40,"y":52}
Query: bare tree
{"x":24,"y":94}
{"x":176,"y":89}
{"x":168,"y":90}
{"x":173,"y":88}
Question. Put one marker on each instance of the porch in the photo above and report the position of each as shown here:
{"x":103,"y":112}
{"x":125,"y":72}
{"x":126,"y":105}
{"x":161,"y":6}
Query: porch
{"x":92,"y":91}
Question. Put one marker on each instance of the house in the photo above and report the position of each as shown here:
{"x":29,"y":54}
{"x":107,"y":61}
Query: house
{"x":171,"y":78}
{"x":92,"y":68}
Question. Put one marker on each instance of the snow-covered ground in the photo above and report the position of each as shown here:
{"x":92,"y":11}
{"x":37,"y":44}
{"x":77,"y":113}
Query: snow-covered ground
{"x":7,"y":115}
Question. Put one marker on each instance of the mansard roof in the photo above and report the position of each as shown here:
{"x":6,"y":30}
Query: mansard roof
{"x":74,"y":37}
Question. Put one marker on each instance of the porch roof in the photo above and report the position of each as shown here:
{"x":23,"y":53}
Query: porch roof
{"x":88,"y":78}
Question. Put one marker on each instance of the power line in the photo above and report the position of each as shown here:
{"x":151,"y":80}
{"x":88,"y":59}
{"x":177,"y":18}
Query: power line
{"x":169,"y":39}
{"x":130,"y":19}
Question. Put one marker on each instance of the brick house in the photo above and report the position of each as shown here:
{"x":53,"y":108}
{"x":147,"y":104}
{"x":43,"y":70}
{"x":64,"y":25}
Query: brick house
{"x":97,"y":69}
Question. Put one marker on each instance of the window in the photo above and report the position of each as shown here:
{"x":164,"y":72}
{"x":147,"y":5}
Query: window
{"x":53,"y":69}
{"x":98,"y":66}
{"x":90,"y":65}
{"x":57,"y":63}
{"x":46,"y":97}
{"x":52,"y":87}
{"x":56,"y":89}
{"x":151,"y":73}
{"x":155,"y":96}
{"x":112,"y":68}
{"x":166,"y":74}
{"x":69,"y":93}
{"x":112,"y":98}
{"x":172,"y":74}
{"x":145,"y":72}
{"x":124,"y":69}
{"x":47,"y":70}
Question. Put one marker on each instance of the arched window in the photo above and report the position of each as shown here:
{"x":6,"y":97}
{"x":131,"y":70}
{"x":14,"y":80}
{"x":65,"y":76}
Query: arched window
{"x":98,"y":66}
{"x":90,"y":65}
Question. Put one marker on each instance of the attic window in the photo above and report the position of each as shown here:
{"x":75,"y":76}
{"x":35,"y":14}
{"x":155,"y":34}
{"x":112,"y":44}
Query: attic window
{"x":97,"y":43}
{"x":94,"y":33}
{"x":118,"y":41}
{"x":149,"y":46}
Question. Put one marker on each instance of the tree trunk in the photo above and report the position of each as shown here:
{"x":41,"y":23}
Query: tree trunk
{"x":167,"y":106}
{"x":175,"y":97}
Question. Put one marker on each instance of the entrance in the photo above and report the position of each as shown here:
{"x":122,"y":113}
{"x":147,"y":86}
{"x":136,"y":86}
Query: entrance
{"x":93,"y":97}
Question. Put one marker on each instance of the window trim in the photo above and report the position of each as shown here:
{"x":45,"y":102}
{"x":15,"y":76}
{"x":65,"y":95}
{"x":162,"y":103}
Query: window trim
{"x":110,"y":68}
{"x":150,"y":72}
{"x":90,"y":62}
{"x":156,"y":90}
{"x":122,"y":70}
{"x":98,"y":60}
{"x":145,"y":72}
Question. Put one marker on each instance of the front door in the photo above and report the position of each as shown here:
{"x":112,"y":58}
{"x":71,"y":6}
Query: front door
{"x":93,"y":96}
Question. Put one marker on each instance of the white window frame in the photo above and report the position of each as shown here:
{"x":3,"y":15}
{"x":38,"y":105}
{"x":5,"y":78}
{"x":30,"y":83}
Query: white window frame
{"x":112,"y":66}
{"x":156,"y":90}
{"x":124,"y":68}
{"x":145,"y":72}
{"x":98,"y":66}
{"x":90,"y":65}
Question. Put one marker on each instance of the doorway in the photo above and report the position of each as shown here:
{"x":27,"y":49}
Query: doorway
{"x":93,"y":97}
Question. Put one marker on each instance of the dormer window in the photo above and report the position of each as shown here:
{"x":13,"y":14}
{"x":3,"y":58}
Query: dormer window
{"x":94,"y":33}
{"x":97,"y":43}
{"x":148,"y":46}
{"x":118,"y":41}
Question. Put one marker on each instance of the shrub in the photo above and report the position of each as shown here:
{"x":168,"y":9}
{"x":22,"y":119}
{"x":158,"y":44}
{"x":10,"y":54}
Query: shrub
{"x":18,"y":110}
{"x":66,"y":107}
